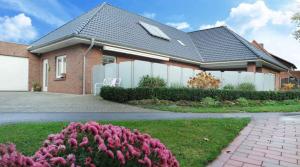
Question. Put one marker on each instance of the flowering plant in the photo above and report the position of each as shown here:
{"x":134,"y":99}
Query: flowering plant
{"x":204,"y":80}
{"x":92,"y":145}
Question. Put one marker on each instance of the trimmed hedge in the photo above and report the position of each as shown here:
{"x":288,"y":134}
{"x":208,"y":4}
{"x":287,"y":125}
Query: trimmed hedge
{"x":122,"y":95}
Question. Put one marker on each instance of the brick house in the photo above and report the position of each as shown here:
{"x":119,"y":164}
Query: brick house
{"x":62,"y":60}
{"x":282,"y":77}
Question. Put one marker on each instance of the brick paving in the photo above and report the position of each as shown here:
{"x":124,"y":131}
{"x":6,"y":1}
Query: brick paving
{"x":267,"y":142}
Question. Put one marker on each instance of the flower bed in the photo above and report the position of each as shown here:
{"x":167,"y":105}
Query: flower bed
{"x":93,"y":145}
{"x":122,"y":95}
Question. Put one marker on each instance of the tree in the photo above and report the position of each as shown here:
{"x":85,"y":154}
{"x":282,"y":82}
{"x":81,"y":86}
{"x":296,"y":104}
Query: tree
{"x":296,"y":19}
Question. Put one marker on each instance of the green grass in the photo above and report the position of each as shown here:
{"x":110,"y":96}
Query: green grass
{"x":185,"y":138}
{"x":227,"y":109}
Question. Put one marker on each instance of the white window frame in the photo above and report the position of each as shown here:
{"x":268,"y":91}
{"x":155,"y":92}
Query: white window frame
{"x":63,"y":69}
{"x":115,"y":59}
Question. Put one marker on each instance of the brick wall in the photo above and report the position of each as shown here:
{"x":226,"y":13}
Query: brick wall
{"x":74,"y":70}
{"x":19,"y":50}
{"x":74,"y":59}
{"x":251,"y":67}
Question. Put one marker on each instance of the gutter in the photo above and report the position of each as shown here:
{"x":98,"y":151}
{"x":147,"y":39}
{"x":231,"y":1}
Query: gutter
{"x":84,"y":64}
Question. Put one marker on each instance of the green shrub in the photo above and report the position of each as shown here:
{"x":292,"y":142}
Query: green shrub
{"x":208,"y":101}
{"x":290,"y":102}
{"x":246,"y":87}
{"x":152,"y":82}
{"x":242,"y":101}
{"x":228,"y":87}
{"x":177,"y":85}
{"x":175,"y":94}
{"x":270,"y":102}
{"x":150,"y":102}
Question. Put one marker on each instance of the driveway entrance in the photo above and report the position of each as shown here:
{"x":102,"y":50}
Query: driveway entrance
{"x":53,"y":102}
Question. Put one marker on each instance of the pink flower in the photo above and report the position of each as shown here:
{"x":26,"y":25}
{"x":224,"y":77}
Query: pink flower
{"x":73,"y":142}
{"x":102,"y":147}
{"x":146,"y":148}
{"x":98,"y":139}
{"x":58,"y":161}
{"x":110,"y":154}
{"x":84,"y":142}
{"x":60,"y":149}
{"x":147,"y":161}
{"x":11,"y":148}
{"x":94,"y":130}
{"x":120,"y":157}
{"x":88,"y":161}
{"x":71,"y":158}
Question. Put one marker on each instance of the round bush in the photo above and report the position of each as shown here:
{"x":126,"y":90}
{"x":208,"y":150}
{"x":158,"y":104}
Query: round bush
{"x":246,"y":87}
{"x":228,"y":87}
{"x":152,"y":82}
{"x":92,"y":144}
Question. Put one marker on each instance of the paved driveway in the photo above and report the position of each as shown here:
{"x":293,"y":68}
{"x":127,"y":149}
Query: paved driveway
{"x":52,"y":102}
{"x":267,"y":142}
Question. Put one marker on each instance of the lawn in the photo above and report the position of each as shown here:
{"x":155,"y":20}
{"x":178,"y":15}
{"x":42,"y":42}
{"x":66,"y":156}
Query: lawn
{"x":193,"y":142}
{"x":227,"y":109}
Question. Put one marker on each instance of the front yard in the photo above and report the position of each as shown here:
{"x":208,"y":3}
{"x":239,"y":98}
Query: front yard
{"x":205,"y":100}
{"x":194,"y":142}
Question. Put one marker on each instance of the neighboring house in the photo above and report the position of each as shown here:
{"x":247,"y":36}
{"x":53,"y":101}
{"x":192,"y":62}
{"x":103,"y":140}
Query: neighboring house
{"x":62,"y":60}
{"x":282,"y":77}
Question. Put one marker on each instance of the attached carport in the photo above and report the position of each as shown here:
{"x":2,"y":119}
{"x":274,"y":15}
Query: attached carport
{"x":13,"y":73}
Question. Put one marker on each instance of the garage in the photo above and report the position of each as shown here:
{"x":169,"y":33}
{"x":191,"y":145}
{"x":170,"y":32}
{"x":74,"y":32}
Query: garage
{"x":13,"y":73}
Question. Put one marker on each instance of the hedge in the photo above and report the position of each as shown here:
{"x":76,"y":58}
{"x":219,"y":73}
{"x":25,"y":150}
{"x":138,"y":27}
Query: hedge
{"x":122,"y":95}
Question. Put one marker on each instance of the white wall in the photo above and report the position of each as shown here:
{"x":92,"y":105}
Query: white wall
{"x":131,"y":72}
{"x":262,"y":82}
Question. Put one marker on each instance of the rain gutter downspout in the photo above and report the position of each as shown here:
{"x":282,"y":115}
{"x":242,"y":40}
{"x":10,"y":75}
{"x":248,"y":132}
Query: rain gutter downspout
{"x":84,"y":64}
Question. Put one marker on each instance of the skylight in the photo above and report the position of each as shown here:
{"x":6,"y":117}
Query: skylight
{"x":155,"y":31}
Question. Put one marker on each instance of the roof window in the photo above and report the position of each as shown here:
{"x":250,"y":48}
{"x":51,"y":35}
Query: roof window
{"x":154,"y":31}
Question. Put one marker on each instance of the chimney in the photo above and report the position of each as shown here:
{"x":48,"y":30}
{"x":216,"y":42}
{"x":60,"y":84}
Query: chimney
{"x":261,"y":45}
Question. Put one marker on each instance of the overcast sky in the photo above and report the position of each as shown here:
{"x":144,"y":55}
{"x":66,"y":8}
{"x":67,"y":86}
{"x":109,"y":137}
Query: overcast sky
{"x":267,"y":21}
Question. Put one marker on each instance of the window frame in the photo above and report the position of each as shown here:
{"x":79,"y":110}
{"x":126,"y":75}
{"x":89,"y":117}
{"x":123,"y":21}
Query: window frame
{"x":63,"y":70}
{"x":114,"y":57}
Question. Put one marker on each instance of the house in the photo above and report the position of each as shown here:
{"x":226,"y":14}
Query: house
{"x":62,"y":60}
{"x":282,"y":77}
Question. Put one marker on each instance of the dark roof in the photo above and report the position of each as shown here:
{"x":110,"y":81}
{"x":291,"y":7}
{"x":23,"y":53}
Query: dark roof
{"x":222,"y":44}
{"x":112,"y":25}
{"x":109,"y":24}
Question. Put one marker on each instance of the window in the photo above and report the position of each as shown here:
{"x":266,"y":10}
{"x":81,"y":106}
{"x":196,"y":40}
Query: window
{"x":61,"y":66}
{"x":108,"y":59}
{"x":154,"y":31}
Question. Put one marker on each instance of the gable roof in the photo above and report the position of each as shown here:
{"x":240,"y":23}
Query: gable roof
{"x":109,"y":24}
{"x":112,"y":25}
{"x":220,"y":44}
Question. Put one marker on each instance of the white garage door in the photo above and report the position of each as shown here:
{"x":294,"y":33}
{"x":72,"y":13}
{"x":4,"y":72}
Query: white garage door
{"x":13,"y":73}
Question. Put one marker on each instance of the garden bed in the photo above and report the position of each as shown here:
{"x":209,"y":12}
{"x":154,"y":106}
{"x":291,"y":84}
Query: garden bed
{"x":209,"y":105}
{"x":193,"y":142}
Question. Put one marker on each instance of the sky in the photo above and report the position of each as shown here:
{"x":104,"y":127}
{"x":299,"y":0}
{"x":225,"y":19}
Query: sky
{"x":266,"y":21}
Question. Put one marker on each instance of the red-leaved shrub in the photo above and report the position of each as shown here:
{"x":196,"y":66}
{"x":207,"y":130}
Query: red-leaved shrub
{"x":94,"y":145}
